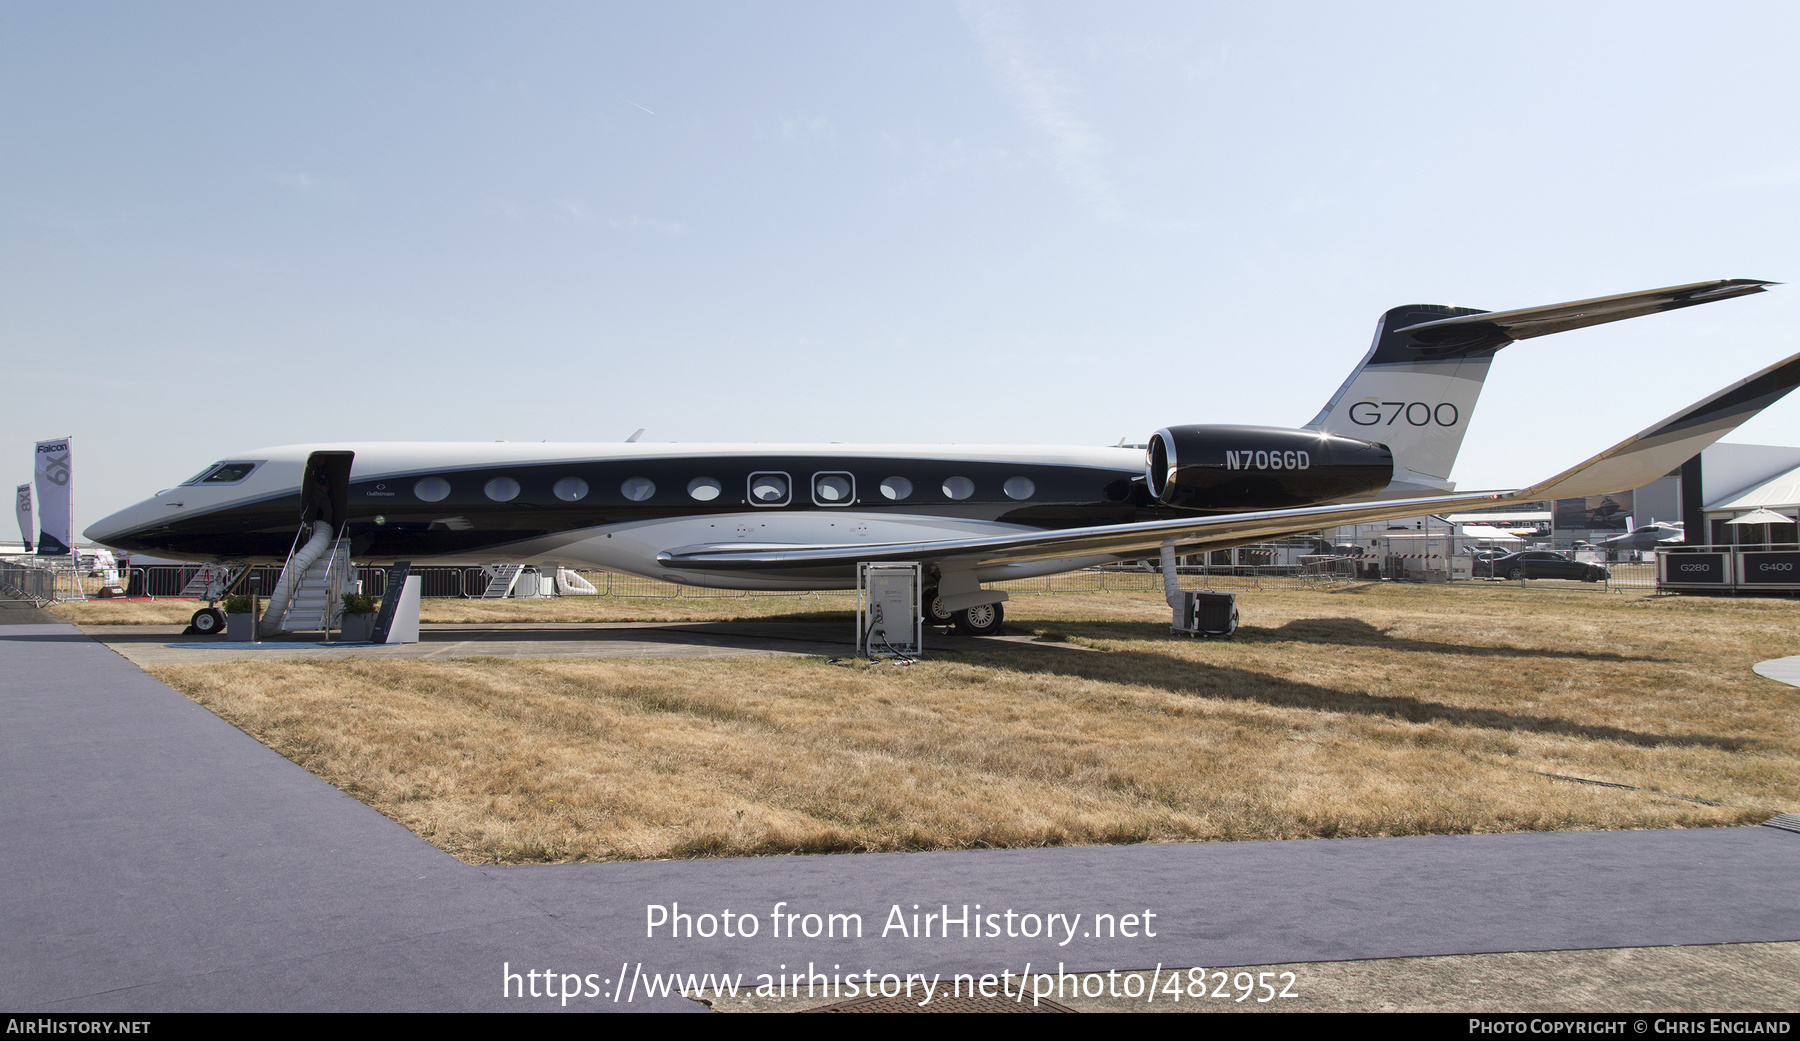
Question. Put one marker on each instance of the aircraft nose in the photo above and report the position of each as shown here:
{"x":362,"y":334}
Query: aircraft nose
{"x":110,"y":530}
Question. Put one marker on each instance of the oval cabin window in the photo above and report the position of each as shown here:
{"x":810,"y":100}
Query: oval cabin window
{"x":570,"y":489}
{"x":1019,"y":488}
{"x":432,"y":489}
{"x":637,"y":489}
{"x":958,"y":487}
{"x":704,"y":489}
{"x":896,"y":488}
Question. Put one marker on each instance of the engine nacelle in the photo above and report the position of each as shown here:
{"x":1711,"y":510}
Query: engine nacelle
{"x":1256,"y":468}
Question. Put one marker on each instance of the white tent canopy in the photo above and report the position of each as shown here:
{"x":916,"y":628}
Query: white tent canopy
{"x":1761,"y":517}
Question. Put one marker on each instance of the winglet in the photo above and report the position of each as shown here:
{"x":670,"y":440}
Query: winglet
{"x":1638,"y":460}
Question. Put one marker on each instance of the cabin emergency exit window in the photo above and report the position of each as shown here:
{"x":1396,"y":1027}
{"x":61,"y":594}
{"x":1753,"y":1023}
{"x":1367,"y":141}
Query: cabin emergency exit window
{"x":770,"y":489}
{"x":833,"y":489}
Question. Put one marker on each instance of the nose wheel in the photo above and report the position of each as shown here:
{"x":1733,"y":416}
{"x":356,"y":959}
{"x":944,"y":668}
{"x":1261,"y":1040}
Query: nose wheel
{"x":208,"y":621}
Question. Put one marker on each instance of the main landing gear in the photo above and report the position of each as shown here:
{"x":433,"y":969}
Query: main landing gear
{"x":980,"y":620}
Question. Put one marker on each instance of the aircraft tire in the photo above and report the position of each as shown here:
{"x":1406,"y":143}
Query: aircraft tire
{"x":208,"y":621}
{"x":934,"y":611}
{"x":980,"y":620}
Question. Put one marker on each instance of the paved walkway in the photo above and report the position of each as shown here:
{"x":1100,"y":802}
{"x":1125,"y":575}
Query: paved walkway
{"x":157,"y":858}
{"x":1785,"y":670}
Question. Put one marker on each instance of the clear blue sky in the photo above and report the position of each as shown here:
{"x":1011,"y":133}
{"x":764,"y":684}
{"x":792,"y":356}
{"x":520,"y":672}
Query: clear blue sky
{"x":232,"y":225}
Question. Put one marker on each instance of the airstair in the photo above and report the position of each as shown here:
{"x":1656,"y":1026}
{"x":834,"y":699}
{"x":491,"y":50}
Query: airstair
{"x":208,"y":583}
{"x":501,"y":584}
{"x":309,"y":594}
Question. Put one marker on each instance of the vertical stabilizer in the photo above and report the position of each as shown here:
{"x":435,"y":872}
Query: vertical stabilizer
{"x":1415,"y":397}
{"x":1415,"y":390}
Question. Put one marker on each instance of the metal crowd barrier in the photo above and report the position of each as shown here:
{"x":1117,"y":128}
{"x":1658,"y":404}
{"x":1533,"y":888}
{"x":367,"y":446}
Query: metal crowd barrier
{"x":42,"y":582}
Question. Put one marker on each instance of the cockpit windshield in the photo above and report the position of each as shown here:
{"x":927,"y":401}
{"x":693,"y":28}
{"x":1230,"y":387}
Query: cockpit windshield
{"x":222,"y":473}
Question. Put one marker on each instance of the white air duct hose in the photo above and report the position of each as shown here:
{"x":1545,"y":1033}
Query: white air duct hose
{"x":270,"y":622}
{"x":1171,"y":581}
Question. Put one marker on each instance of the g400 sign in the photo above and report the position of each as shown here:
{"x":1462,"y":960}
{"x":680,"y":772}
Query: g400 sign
{"x":1415,"y":413}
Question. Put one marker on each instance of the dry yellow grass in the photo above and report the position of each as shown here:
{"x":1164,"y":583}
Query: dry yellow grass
{"x":1370,"y":711}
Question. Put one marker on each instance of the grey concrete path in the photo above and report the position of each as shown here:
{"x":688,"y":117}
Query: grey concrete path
{"x":1784,"y":670}
{"x":155,"y":858}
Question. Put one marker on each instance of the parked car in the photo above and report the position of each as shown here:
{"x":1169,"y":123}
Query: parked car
{"x":1537,"y":563}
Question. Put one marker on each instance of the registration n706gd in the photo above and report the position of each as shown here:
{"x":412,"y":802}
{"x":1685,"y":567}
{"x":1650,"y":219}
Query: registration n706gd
{"x":1291,"y":459}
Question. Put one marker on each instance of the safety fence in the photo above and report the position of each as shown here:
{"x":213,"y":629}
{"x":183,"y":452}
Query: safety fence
{"x":40,"y":582}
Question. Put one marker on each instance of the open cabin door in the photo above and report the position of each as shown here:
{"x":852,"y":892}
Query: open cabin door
{"x":325,"y":491}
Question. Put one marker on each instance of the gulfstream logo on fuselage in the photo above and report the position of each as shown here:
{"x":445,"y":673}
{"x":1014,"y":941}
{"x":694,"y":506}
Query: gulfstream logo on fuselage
{"x":1247,"y":460}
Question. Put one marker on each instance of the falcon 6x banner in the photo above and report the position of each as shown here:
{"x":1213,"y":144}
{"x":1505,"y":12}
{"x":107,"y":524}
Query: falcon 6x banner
{"x":56,"y":498}
{"x":25,"y":515}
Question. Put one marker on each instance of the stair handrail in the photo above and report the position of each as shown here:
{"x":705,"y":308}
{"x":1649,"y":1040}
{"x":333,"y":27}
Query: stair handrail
{"x":333,"y":591}
{"x":286,"y":580}
{"x":290,"y":580}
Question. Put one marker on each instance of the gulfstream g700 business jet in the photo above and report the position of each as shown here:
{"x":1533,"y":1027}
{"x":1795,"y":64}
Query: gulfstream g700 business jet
{"x":793,"y":517}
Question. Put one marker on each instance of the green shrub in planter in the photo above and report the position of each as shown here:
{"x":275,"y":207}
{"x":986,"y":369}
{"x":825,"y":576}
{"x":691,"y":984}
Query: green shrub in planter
{"x":360,"y":603}
{"x":237,"y":603}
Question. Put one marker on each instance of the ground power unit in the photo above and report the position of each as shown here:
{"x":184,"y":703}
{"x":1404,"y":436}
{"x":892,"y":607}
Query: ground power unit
{"x":1206,"y":614}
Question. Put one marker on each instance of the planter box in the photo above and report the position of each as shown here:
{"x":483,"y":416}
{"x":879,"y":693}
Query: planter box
{"x":357,"y":628}
{"x":240,"y":626}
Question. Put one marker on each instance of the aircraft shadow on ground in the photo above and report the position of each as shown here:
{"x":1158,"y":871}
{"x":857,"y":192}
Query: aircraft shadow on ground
{"x":1193,"y":679}
{"x":46,"y":637}
{"x":1353,"y":632}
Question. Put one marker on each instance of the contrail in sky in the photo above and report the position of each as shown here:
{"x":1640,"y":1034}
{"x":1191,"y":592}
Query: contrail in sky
{"x":1043,"y":100}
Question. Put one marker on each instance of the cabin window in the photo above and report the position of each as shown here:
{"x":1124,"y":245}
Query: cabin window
{"x":1019,"y":488}
{"x":570,"y":489}
{"x":501,"y":489}
{"x":896,"y":488}
{"x":432,"y":489}
{"x":704,"y":489}
{"x":833,"y":489}
{"x":769,"y":489}
{"x":637,"y":489}
{"x":958,"y":487}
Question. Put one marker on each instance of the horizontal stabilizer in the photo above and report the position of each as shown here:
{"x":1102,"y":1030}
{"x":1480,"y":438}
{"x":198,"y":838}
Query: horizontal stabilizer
{"x":1630,"y":464}
{"x":1638,"y":461}
{"x":1556,"y":318}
